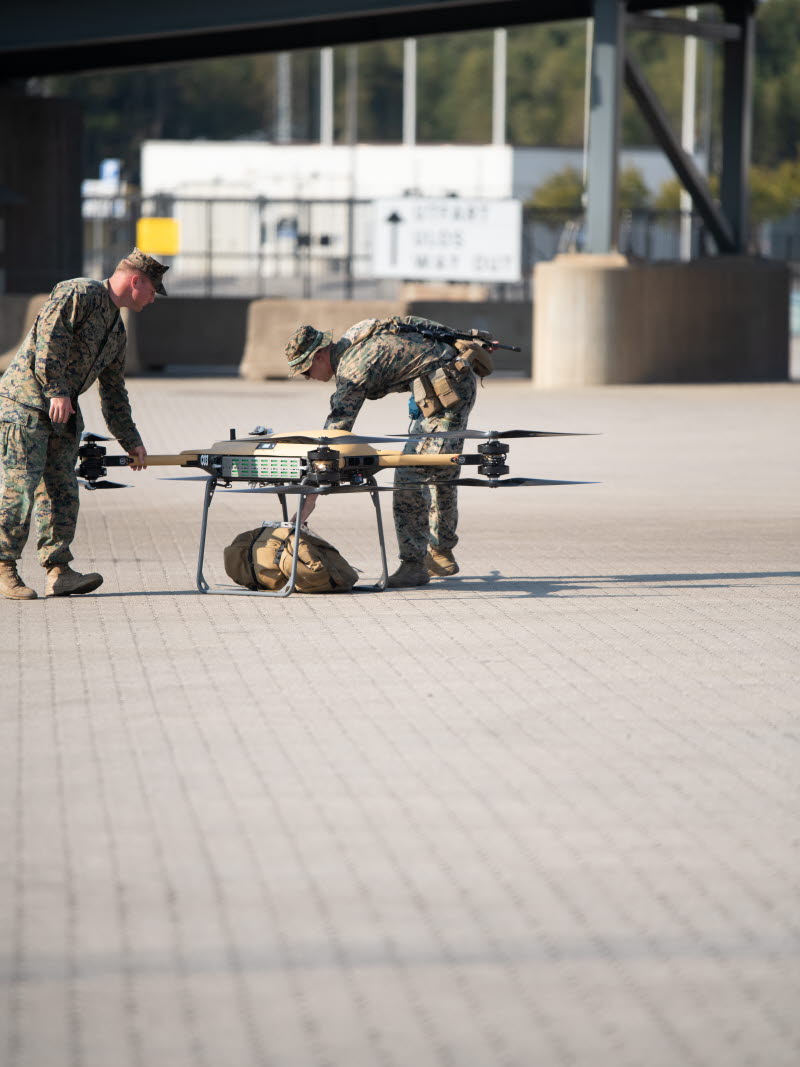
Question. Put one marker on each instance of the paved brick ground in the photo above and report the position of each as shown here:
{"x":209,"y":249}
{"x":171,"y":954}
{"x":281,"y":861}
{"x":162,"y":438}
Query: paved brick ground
{"x":544,"y":813}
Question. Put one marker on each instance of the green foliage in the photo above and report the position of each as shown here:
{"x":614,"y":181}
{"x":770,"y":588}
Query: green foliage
{"x":633,"y":193}
{"x":454,"y":88}
{"x":775,"y":193}
{"x":562,"y":192}
{"x":668,"y":197}
{"x":545,"y":93}
{"x":380,"y":91}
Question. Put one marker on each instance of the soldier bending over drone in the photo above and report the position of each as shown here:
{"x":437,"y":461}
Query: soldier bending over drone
{"x":372,"y":359}
{"x":78,"y":338}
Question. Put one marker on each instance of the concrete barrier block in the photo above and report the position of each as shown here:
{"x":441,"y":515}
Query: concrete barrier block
{"x":190,"y":331}
{"x":601,"y":320}
{"x":18,"y":313}
{"x":270,"y":324}
{"x":509,"y":323}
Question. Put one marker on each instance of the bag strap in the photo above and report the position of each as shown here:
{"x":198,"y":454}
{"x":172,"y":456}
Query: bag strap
{"x":281,"y":535}
{"x":250,"y":560}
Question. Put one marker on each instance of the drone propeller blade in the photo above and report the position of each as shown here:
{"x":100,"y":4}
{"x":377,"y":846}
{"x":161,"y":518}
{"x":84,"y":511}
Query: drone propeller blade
{"x":328,"y":439}
{"x":323,"y":490}
{"x":493,"y":435}
{"x":512,"y":483}
{"x":103,"y":485}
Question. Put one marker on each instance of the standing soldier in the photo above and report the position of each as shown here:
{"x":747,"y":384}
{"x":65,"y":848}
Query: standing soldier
{"x":369,"y":361}
{"x":78,"y":338}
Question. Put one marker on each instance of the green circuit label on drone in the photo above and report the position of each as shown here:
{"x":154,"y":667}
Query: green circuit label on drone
{"x":279,"y":468}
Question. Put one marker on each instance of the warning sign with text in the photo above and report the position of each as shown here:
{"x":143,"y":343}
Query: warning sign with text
{"x":448,"y":239}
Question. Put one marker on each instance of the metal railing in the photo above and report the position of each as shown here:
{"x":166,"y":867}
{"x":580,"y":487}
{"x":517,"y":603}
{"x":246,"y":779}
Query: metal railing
{"x":260,"y":247}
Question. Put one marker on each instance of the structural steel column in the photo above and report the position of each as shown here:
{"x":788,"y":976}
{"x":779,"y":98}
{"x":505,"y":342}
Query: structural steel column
{"x":499,"y":87}
{"x":608,"y":50}
{"x":736,"y":127}
{"x":283,"y":97}
{"x":410,"y":91}
{"x":326,"y":96}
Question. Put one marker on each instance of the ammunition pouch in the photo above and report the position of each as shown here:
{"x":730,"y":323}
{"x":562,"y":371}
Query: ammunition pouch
{"x":262,"y":559}
{"x":435,"y":392}
{"x":472,"y":354}
{"x":426,"y":399}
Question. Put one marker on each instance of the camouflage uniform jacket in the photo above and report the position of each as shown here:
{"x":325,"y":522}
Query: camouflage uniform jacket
{"x":78,"y":338}
{"x":384,"y":362}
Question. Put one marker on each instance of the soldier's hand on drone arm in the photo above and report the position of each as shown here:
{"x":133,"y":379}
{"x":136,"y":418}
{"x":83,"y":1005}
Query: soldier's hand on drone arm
{"x":138,"y":457}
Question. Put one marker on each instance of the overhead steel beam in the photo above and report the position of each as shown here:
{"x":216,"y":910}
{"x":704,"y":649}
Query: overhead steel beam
{"x":51,"y":37}
{"x":693,"y":180}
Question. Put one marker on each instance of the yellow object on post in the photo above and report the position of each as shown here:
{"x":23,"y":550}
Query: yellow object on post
{"x":158,"y":237}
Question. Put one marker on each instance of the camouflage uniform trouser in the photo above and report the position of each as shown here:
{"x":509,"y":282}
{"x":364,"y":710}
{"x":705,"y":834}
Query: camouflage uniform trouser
{"x":428,"y":514}
{"x":37,"y":474}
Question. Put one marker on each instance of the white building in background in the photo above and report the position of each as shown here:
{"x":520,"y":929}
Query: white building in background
{"x":366,"y":171}
{"x":256,"y":208}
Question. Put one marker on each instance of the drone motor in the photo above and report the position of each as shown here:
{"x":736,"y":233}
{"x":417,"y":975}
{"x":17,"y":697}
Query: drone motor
{"x":323,"y":466}
{"x":494,"y":454}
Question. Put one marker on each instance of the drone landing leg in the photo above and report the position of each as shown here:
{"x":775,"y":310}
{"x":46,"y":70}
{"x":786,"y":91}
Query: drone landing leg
{"x":284,"y":509}
{"x":202,"y":584}
{"x":287,"y":589}
{"x":381,"y":583}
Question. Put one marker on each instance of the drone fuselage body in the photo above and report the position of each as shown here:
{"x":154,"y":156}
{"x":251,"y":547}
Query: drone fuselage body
{"x":287,"y":457}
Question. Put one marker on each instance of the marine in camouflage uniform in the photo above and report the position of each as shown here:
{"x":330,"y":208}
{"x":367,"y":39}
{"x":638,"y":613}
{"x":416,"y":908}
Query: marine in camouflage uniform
{"x":369,"y":362}
{"x":78,"y":338}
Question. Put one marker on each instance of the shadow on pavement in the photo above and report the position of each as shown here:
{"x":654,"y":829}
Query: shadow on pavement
{"x":602,"y":584}
{"x":494,"y":581}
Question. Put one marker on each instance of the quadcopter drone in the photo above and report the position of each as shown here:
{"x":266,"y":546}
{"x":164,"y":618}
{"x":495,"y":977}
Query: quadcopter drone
{"x":315,"y":463}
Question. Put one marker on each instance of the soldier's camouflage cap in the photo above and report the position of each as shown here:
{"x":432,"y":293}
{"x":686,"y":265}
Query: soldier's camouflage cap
{"x":150,"y":267}
{"x":301,"y":348}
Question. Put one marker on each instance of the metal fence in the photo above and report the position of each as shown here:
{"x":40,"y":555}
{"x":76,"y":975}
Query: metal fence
{"x":323,"y":248}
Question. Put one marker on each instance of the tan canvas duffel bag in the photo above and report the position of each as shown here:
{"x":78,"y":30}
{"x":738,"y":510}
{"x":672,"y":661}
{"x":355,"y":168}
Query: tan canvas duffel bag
{"x":262,"y":559}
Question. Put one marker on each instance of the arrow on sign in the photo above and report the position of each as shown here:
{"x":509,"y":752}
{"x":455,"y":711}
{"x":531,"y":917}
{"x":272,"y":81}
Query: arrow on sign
{"x":395,"y":220}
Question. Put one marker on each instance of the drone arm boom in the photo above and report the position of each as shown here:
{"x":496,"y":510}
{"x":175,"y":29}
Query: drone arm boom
{"x":399,"y":459}
{"x":180,"y":460}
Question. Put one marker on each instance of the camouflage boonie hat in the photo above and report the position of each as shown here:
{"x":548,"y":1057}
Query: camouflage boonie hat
{"x":302,"y":346}
{"x":150,"y":267}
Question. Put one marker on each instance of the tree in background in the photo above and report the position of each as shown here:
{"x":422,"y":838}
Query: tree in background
{"x":561,"y":193}
{"x":633,"y":194}
{"x":776,"y":97}
{"x":546,"y":71}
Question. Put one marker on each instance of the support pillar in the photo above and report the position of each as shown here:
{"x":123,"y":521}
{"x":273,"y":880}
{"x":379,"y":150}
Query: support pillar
{"x":410,"y":91}
{"x":499,"y":87}
{"x":608,"y":49}
{"x":326,"y":96}
{"x":42,"y":169}
{"x":736,"y":127}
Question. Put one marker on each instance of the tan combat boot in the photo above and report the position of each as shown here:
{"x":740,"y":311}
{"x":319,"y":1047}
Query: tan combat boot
{"x":407,"y":575}
{"x":11,"y":585}
{"x":440,"y":563}
{"x":62,"y":580}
